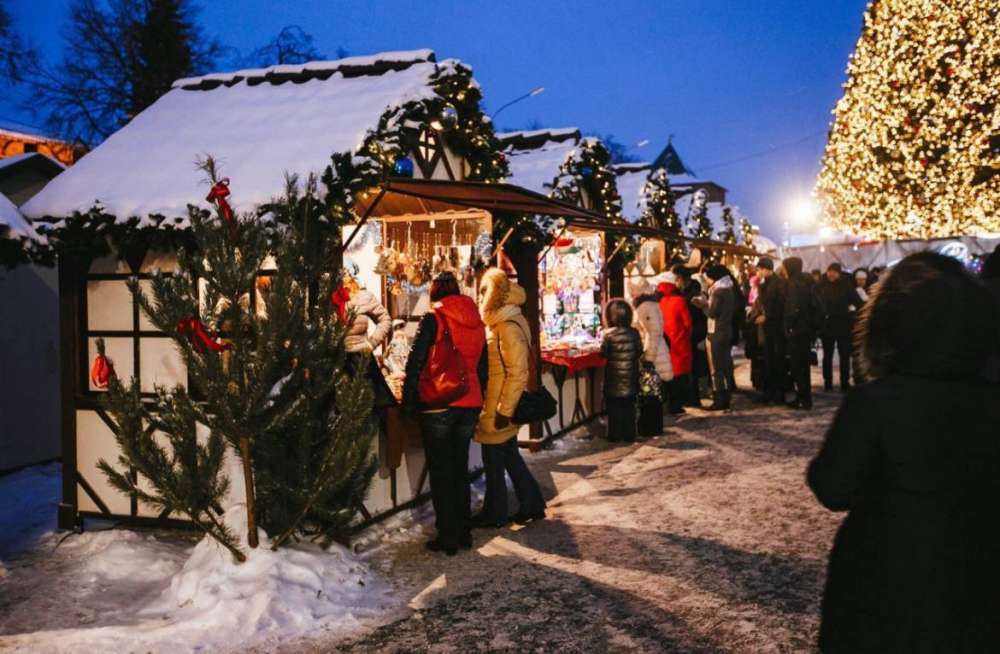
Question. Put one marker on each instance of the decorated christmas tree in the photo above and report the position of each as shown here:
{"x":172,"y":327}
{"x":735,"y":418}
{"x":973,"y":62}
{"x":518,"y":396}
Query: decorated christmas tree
{"x":746,"y":232}
{"x":699,"y":224}
{"x":914,"y":149}
{"x":728,"y":232}
{"x":660,"y":210}
{"x":252,"y":312}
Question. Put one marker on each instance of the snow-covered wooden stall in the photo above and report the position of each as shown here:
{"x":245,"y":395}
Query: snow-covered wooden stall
{"x":122,"y":211}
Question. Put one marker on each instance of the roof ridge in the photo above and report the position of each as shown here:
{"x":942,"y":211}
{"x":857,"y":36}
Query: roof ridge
{"x":359,"y":66}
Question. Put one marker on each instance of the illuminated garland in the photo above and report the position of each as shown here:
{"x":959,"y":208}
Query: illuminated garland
{"x":914,"y":150}
{"x":746,"y":232}
{"x":699,"y":224}
{"x":660,"y":210}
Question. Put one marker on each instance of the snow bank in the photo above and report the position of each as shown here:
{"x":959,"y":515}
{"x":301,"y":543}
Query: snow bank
{"x":630,"y":186}
{"x":148,"y":594}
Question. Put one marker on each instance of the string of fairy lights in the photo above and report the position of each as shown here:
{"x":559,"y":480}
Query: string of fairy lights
{"x":914,"y":149}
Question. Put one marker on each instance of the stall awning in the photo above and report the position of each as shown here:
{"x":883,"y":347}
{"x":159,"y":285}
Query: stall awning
{"x":398,"y":197}
{"x":408,"y":197}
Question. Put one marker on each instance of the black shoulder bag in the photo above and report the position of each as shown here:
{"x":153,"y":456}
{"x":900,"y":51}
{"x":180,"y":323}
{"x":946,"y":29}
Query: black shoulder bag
{"x":534,"y":406}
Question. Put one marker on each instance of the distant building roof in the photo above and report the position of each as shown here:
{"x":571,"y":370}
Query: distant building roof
{"x":535,"y":157}
{"x":671,"y":161}
{"x":17,"y":162}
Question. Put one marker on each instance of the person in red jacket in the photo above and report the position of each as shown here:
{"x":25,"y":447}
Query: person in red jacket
{"x":677,"y":329}
{"x":447,"y":430}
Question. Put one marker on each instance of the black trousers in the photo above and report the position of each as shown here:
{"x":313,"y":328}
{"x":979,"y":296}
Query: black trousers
{"x":650,"y":416}
{"x":446,"y":435}
{"x":678,"y":391}
{"x":840,"y":339}
{"x":799,"y":360}
{"x":621,"y":418}
{"x":506,"y":458}
{"x":775,"y":374}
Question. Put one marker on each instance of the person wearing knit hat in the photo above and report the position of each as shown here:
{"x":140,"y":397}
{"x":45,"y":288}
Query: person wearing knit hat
{"x":765,"y":263}
{"x":719,"y":308}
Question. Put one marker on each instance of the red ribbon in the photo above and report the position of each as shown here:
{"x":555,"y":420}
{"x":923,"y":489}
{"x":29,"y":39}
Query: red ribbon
{"x":218,"y":195}
{"x":199,"y":336}
{"x":102,"y":372}
{"x":339,"y":300}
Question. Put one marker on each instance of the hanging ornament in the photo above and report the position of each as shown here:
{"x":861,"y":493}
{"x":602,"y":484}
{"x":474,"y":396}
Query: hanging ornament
{"x":587,"y":172}
{"x":339,"y":300}
{"x":218,"y":195}
{"x":103,"y":369}
{"x":403,"y":167}
{"x":199,"y":337}
{"x":449,"y":117}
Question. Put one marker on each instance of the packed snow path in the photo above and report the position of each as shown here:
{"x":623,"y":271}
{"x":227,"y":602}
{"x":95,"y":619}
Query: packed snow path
{"x":704,"y":540}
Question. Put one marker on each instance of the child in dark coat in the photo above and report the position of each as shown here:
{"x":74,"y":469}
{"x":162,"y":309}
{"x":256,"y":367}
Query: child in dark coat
{"x":622,"y":347}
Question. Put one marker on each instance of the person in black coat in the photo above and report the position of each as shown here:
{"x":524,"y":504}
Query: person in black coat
{"x":913,"y":456}
{"x":622,"y":347}
{"x":699,"y":335}
{"x":840,"y":303}
{"x":802,"y":317}
{"x":771,"y":297}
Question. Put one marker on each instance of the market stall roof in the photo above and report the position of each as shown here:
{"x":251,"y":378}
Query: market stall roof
{"x":258,"y":124}
{"x":400,"y":197}
{"x":535,"y":157}
{"x":412,"y":197}
{"x":13,"y":225}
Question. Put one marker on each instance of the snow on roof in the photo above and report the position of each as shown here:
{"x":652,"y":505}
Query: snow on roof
{"x":537,"y":169}
{"x":349,"y":66}
{"x":630,"y":185}
{"x":257,"y":133}
{"x":24,"y":156}
{"x":555,"y":134}
{"x":13,"y":224}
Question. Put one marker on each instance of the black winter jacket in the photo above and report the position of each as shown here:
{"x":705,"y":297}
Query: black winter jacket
{"x":803,"y":311}
{"x":840,"y":303}
{"x":622,"y":347}
{"x":915,"y":566}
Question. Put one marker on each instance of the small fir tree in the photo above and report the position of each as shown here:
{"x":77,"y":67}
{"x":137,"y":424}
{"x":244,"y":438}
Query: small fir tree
{"x":660,"y":211}
{"x":275,"y":384}
{"x":746,"y":232}
{"x":699,"y":224}
{"x":728,"y":232}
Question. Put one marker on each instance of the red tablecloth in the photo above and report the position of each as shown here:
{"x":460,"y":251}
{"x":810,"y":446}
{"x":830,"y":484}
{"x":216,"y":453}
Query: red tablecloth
{"x":574,"y":362}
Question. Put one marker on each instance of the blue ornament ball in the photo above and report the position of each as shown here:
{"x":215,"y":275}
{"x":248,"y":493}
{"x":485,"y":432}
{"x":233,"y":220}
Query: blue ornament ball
{"x":587,"y":172}
{"x":403,"y":167}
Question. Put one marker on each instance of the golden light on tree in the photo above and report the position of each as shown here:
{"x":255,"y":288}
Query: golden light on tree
{"x":914,"y":149}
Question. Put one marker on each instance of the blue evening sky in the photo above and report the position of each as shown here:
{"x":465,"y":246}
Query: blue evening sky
{"x":745,"y":86}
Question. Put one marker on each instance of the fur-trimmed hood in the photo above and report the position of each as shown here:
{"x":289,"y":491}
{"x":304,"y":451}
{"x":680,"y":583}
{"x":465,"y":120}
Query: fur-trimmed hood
{"x":501,"y":299}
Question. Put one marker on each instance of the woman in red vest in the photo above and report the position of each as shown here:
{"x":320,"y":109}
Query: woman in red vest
{"x":677,"y":329}
{"x":447,"y":431}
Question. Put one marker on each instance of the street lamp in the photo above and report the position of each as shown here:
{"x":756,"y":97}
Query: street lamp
{"x":530,"y":94}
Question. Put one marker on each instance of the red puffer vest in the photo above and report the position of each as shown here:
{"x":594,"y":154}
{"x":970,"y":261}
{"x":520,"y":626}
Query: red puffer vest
{"x":676,"y":327}
{"x":469,"y":335}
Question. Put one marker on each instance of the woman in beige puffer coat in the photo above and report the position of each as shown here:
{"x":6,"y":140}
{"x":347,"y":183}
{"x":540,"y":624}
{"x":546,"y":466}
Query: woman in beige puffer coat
{"x":365,"y":307}
{"x":508,"y":345}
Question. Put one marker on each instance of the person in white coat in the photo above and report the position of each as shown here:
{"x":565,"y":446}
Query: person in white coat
{"x":655,"y":354}
{"x":361,"y":309}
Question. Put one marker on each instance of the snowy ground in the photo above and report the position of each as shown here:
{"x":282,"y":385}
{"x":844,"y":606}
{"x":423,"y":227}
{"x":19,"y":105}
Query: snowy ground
{"x":703,"y":540}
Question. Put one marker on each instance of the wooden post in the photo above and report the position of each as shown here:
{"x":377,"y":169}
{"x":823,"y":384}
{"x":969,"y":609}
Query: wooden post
{"x":248,"y":480}
{"x":72,"y":354}
{"x":525,"y":261}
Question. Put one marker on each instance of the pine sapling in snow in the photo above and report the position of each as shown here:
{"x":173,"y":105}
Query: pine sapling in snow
{"x":269,"y":376}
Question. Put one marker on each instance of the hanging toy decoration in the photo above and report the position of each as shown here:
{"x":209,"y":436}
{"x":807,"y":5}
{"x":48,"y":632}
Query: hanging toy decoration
{"x":199,"y":337}
{"x":218,"y":195}
{"x":102,"y":372}
{"x":339,"y":300}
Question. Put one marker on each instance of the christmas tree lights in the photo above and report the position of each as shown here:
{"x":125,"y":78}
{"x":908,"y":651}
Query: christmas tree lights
{"x":914,"y":149}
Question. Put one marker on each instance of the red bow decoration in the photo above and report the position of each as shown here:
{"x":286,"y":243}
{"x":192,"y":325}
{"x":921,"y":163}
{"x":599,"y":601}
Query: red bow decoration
{"x":218,"y":195}
{"x":102,"y":372}
{"x":339,"y":300}
{"x":199,"y":336}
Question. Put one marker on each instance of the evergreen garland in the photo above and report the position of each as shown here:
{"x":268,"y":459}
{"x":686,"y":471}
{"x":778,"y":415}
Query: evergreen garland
{"x":728,"y":232}
{"x":699,"y":224}
{"x":746,"y":232}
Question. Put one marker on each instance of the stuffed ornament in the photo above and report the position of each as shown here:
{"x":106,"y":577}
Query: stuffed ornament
{"x":103,"y":369}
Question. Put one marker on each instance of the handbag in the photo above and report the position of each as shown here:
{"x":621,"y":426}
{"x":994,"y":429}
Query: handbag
{"x":444,"y":379}
{"x":533,"y":406}
{"x":649,"y":381}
